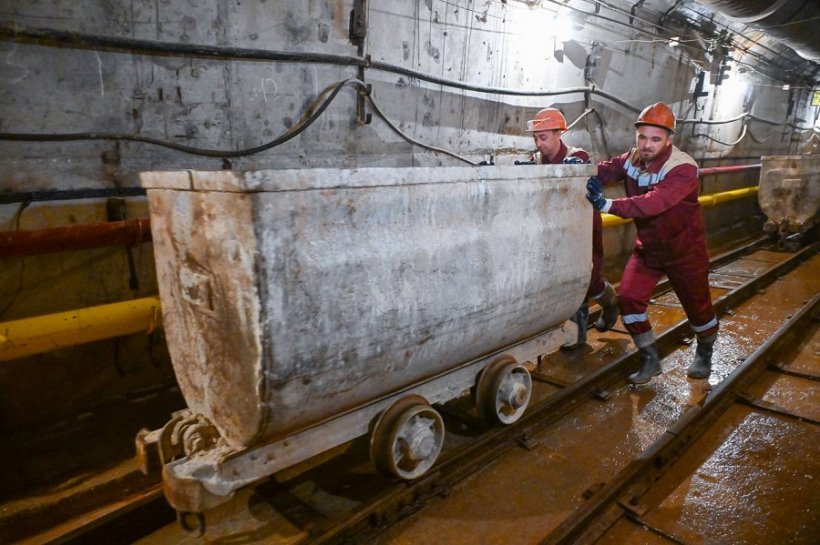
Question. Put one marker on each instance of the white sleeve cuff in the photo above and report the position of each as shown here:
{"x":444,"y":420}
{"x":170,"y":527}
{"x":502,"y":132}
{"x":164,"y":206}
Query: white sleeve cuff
{"x":607,"y":206}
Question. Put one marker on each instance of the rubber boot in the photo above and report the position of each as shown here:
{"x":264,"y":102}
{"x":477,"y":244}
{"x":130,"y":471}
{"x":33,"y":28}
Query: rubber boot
{"x":650,"y":365}
{"x":702,"y":366}
{"x":609,"y":305}
{"x":580,"y":318}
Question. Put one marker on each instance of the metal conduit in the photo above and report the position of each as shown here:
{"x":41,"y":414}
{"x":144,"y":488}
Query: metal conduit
{"x":75,"y":237}
{"x":728,"y":168}
{"x":707,"y":201}
{"x":133,"y":232}
{"x":19,"y":338}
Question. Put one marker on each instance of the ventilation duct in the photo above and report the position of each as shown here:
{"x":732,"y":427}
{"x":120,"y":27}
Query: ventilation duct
{"x":793,"y":21}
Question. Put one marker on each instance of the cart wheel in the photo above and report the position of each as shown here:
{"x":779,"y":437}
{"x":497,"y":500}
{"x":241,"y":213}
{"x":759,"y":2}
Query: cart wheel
{"x":503,"y":391}
{"x":407,"y":438}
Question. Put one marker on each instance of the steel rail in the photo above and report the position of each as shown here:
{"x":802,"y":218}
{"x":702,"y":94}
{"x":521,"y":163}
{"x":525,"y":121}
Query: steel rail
{"x":403,"y":499}
{"x":120,"y":526}
{"x":591,"y":520}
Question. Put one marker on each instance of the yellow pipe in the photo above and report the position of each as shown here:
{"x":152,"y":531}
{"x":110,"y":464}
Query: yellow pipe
{"x":713,"y":199}
{"x":613,"y":221}
{"x":29,"y":336}
{"x":38,"y":334}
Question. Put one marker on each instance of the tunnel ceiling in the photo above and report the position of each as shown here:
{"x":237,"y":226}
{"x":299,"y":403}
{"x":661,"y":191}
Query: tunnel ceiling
{"x":777,"y":38}
{"x":791,"y":21}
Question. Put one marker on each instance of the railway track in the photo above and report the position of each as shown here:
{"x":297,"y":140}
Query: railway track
{"x":338,"y":498}
{"x":638,"y":491}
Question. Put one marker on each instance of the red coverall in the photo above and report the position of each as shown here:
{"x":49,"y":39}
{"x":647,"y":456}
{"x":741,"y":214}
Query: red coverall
{"x":662,"y":198}
{"x":596,"y":280}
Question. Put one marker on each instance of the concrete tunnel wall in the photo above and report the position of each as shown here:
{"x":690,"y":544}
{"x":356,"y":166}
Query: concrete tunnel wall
{"x":229,"y":104}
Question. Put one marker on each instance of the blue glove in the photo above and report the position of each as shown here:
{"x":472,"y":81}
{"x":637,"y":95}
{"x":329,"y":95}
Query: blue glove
{"x":594,"y":185}
{"x":595,"y":193}
{"x":574,"y":161}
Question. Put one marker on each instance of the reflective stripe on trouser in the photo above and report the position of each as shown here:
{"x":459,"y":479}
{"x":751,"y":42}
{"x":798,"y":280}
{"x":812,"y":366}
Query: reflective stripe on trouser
{"x":596,"y":279}
{"x":690,"y":280}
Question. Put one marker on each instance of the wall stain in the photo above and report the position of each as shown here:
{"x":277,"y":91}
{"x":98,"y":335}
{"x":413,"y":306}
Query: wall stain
{"x":297,"y":31}
{"x":433,"y":51}
{"x":322,"y":32}
{"x":428,"y":120}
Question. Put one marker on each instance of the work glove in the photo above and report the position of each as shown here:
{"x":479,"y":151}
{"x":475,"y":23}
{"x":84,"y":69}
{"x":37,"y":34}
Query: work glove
{"x":594,"y":185}
{"x":595,"y":193}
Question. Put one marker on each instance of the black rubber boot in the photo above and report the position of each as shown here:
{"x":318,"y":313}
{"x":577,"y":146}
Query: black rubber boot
{"x":609,"y":305}
{"x":650,"y":365}
{"x":580,"y":318}
{"x":702,"y":366}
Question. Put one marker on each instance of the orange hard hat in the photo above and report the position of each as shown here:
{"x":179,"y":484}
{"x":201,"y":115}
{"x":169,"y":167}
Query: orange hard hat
{"x":659,"y":115}
{"x":546,"y":120}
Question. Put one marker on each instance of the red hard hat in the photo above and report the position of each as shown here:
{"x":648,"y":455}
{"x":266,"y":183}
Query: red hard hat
{"x":659,"y":115}
{"x":546,"y":120}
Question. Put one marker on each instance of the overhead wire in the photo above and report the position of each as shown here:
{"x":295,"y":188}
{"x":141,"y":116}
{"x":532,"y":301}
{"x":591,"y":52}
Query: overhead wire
{"x":764,"y":140}
{"x":736,"y":142}
{"x":600,"y":125}
{"x":314,"y":110}
{"x":746,"y":49}
{"x":311,"y":114}
{"x":85,"y":41}
{"x":90,"y":41}
{"x":395,"y":129}
{"x":742,"y":116}
{"x":578,"y":119}
{"x":661,"y":27}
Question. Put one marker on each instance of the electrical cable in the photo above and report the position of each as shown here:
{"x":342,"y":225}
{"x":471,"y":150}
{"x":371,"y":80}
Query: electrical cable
{"x":311,"y":114}
{"x":603,"y":131}
{"x":780,"y":123}
{"x":70,"y":194}
{"x":89,"y":41}
{"x":21,"y":275}
{"x":764,"y":140}
{"x":387,"y":67}
{"x":162,"y":48}
{"x":742,"y":116}
{"x":732,"y":43}
{"x":10,"y":31}
{"x":746,"y":49}
{"x":411,"y":140}
{"x":712,"y":121}
{"x":306,"y":120}
{"x":579,"y":118}
{"x":85,"y":41}
{"x":736,"y":142}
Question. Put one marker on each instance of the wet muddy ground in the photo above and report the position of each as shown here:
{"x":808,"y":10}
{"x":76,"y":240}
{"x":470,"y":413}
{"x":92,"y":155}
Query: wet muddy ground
{"x":753,"y":479}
